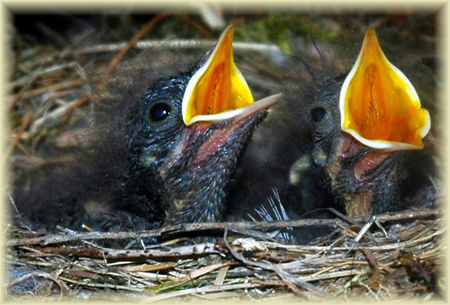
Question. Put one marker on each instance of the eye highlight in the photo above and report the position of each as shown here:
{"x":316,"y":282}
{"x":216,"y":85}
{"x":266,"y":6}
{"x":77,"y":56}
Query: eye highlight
{"x":318,"y":113}
{"x":159,"y":112}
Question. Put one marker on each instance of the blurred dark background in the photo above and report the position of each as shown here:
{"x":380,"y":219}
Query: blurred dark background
{"x":408,"y":38}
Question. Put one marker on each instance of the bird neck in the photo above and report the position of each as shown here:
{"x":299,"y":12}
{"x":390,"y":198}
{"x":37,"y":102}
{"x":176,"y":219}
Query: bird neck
{"x":194,"y":194}
{"x":366,"y":179}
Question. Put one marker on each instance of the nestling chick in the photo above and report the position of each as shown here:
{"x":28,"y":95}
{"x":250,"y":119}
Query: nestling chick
{"x":167,"y":158}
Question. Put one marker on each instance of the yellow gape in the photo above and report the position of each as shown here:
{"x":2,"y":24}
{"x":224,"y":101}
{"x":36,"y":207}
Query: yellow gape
{"x":217,"y":91}
{"x":378,"y":104}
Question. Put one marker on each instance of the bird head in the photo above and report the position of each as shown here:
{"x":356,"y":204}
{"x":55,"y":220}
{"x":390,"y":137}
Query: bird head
{"x":188,"y":131}
{"x":380,"y":118}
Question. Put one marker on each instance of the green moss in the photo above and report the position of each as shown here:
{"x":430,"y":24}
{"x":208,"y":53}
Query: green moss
{"x":277,"y":28}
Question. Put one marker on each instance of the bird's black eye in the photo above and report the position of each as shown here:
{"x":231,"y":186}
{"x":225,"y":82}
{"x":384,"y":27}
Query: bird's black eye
{"x":159,"y":112}
{"x":318,"y":113}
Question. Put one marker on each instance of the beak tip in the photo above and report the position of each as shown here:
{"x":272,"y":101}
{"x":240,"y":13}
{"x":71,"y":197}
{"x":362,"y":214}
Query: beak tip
{"x":217,"y":90}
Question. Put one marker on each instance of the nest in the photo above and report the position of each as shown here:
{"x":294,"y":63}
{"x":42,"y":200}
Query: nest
{"x":389,"y":256}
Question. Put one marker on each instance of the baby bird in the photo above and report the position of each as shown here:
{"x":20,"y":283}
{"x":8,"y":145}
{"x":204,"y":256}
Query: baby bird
{"x":167,"y":158}
{"x":367,"y":130}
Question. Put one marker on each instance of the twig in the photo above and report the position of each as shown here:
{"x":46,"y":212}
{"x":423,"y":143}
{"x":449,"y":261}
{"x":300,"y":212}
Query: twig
{"x":199,"y":249}
{"x":195,"y":227}
{"x":181,"y":228}
{"x":410,"y":214}
{"x":364,"y":229}
{"x":26,"y":121}
{"x":393,"y":246}
{"x":344,"y":217}
{"x":179,"y":44}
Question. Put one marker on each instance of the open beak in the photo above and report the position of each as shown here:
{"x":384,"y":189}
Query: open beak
{"x":378,"y":104}
{"x":218,"y":91}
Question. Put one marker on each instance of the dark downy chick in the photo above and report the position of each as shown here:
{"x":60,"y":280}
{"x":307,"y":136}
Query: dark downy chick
{"x":367,"y":130}
{"x":167,"y":159}
{"x":187,"y":135}
{"x":314,"y":165}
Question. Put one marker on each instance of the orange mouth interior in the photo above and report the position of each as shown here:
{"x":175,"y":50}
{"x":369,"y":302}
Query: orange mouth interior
{"x":379,"y":106}
{"x":218,"y":87}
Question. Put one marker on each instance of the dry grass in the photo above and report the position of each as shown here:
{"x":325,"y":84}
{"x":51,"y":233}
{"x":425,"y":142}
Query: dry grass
{"x":392,"y":256}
